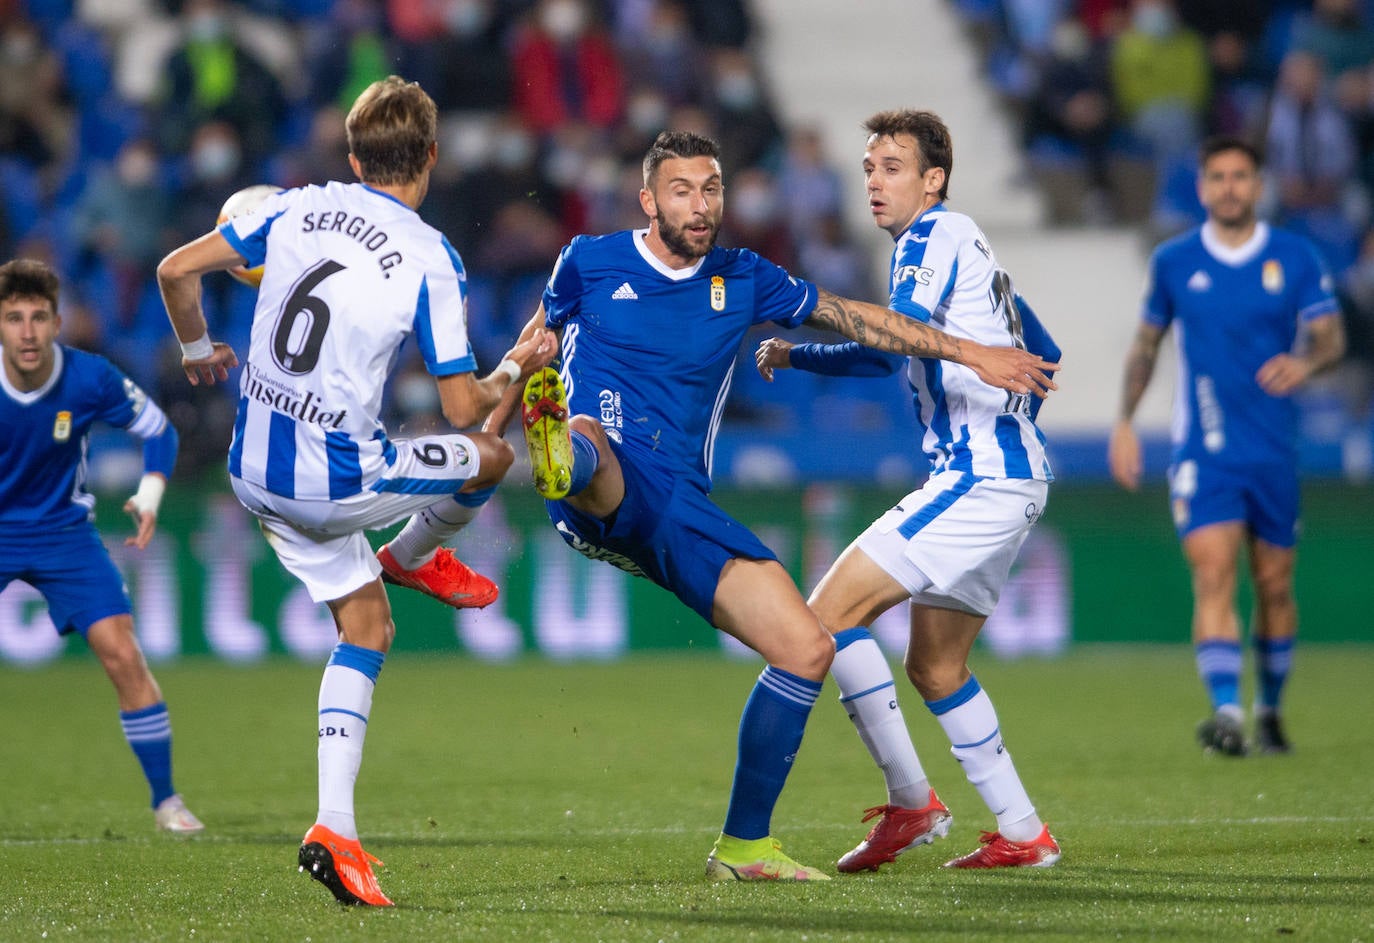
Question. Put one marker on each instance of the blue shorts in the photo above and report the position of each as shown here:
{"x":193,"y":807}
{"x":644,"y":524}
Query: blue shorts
{"x":72,"y":570}
{"x":1263,"y":498}
{"x":667,"y":530}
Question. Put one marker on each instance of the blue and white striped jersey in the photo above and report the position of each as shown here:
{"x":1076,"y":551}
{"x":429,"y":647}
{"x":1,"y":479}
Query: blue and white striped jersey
{"x":349,"y":274}
{"x":44,"y":435}
{"x":650,"y":351}
{"x":1232,"y":310}
{"x":944,"y":273}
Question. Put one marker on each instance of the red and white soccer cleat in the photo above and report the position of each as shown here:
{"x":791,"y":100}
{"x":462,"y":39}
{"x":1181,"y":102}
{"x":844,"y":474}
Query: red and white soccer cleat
{"x":898,"y":830}
{"x":341,"y":865}
{"x":1000,"y":852}
{"x":444,"y":577}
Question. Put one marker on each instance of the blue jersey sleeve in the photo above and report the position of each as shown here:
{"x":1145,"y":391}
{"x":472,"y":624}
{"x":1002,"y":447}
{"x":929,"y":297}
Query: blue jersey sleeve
{"x":779,"y":296}
{"x":844,"y":360}
{"x":1157,"y":309}
{"x":1317,"y":289}
{"x":1039,"y":342}
{"x":123,"y":404}
{"x":564,"y":287}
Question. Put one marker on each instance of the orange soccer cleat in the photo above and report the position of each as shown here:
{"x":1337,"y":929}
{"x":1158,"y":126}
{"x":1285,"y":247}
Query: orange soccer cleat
{"x":998,"y":851}
{"x":898,"y":830}
{"x":341,"y":865}
{"x":444,"y":577}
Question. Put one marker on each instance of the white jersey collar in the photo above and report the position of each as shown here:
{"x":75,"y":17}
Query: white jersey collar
{"x":1239,"y":255}
{"x":33,"y":395}
{"x":676,"y":274}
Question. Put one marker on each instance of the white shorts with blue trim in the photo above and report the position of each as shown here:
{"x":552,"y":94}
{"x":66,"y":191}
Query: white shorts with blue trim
{"x":951,"y":543}
{"x":323,"y":544}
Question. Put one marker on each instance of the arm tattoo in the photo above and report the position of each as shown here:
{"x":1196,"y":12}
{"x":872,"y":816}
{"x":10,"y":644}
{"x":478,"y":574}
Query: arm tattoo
{"x":1326,"y":341}
{"x":883,"y":328}
{"x":1140,"y":366}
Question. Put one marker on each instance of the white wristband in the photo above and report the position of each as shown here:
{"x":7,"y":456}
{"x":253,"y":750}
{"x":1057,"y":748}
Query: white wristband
{"x":509,"y":370}
{"x":148,"y":497}
{"x":199,"y":349}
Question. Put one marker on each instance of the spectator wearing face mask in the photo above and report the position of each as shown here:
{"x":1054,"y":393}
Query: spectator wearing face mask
{"x":564,"y":67}
{"x":1160,"y":78}
{"x":212,"y":76}
{"x":747,"y":129}
{"x":119,"y":221}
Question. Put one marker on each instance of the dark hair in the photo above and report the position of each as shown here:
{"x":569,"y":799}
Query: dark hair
{"x":933,"y":142}
{"x":28,"y":278}
{"x":677,"y":144}
{"x":1221,"y":143}
{"x":390,"y":129}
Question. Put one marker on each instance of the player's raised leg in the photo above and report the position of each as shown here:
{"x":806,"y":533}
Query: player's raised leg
{"x":143,"y":715}
{"x":416,"y":558}
{"x":757,"y":603}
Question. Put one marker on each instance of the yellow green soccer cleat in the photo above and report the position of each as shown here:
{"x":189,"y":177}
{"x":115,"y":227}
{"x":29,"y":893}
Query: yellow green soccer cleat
{"x":734,"y":859}
{"x":544,"y":414}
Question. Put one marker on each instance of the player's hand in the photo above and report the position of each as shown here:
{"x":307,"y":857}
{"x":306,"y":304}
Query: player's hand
{"x":1123,"y":456}
{"x":1011,"y":368}
{"x":213,"y":369}
{"x":533,"y":353}
{"x":772,"y":355}
{"x":145,"y":521}
{"x":1281,"y":374}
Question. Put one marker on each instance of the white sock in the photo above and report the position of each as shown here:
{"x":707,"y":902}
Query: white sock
{"x":345,"y":703}
{"x":427,"y":530}
{"x":970,"y":722}
{"x":869,"y":696}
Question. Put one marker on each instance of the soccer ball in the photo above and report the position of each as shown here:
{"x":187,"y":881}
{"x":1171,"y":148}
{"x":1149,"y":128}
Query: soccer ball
{"x":245,"y":201}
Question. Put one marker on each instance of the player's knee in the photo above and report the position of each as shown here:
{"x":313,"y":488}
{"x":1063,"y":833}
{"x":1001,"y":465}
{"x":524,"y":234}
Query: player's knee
{"x":497,"y":456}
{"x":590,"y":428}
{"x":1274,"y":588}
{"x":934,"y":681}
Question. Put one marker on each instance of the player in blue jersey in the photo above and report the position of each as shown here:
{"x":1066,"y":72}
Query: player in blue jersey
{"x":650,"y":323}
{"x":53,"y":394}
{"x":1255,"y":317}
{"x":351,"y":273}
{"x":949,"y":545}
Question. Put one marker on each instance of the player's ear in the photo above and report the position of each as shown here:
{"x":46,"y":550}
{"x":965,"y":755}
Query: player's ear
{"x":647,"y":202}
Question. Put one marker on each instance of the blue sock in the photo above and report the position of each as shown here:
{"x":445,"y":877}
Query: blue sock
{"x":149,"y":732}
{"x":474,"y":499}
{"x":1274,"y":659}
{"x":770,"y":733}
{"x":585,"y":460}
{"x":1218,"y":665}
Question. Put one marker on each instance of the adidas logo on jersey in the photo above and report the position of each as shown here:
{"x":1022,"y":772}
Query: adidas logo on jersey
{"x":1200,"y":281}
{"x":624,"y":293}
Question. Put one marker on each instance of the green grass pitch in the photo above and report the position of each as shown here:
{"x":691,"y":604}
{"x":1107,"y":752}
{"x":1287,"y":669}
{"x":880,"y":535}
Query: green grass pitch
{"x":577,"y":802}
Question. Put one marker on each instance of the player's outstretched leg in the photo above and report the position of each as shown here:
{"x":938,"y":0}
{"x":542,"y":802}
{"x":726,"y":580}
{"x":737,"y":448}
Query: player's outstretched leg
{"x":762,"y":859}
{"x":444,"y":576}
{"x":341,"y":865}
{"x":544,"y":416}
{"x":896,"y":831}
{"x":1269,"y":735}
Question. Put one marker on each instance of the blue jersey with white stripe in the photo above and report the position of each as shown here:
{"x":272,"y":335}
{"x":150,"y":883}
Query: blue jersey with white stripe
{"x":944,"y":273}
{"x":349,"y":275}
{"x":650,"y":350}
{"x":44,"y":435}
{"x":1232,"y":310}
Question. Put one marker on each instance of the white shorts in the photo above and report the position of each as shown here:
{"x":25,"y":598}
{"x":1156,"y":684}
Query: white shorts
{"x":322,"y":543}
{"x":952,"y":543}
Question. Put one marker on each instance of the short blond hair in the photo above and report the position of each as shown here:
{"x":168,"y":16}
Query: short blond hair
{"x":390,"y":129}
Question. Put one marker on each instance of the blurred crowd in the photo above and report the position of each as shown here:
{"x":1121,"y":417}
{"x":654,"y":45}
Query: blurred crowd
{"x":124,"y":124}
{"x":1114,"y":96}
